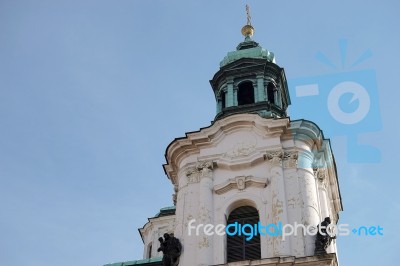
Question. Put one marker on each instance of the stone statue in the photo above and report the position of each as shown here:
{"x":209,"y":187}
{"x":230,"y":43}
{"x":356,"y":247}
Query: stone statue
{"x":323,"y":239}
{"x":171,"y":248}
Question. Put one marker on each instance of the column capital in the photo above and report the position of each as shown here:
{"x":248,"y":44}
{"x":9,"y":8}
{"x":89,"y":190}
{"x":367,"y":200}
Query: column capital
{"x":200,"y":170}
{"x":290,"y":159}
{"x":274,"y":157}
{"x":205,"y":169}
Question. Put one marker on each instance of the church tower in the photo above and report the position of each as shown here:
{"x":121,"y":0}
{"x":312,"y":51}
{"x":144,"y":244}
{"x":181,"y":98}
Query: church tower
{"x":251,"y":166}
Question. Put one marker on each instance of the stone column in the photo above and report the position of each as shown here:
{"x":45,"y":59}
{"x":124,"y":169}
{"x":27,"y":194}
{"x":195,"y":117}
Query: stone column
{"x":278,"y":202}
{"x":186,"y":211}
{"x":255,"y":91}
{"x":219,"y":104}
{"x":294,"y":200}
{"x":229,"y":96}
{"x":235,"y":97}
{"x":308,"y":189}
{"x":260,"y":88}
{"x":278,"y":99}
{"x":205,"y":213}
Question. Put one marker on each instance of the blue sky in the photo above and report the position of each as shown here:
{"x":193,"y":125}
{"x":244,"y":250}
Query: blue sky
{"x":92,"y":92}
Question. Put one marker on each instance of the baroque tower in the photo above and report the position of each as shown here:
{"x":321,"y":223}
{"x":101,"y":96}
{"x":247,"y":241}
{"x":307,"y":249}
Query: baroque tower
{"x":252,"y":165}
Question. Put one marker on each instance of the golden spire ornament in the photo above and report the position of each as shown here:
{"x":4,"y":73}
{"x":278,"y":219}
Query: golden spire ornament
{"x":247,"y":29}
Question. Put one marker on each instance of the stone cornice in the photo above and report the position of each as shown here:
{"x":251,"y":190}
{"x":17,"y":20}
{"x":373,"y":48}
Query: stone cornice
{"x":191,"y":144}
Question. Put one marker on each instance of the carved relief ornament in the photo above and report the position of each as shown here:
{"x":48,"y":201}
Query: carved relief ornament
{"x":201,"y":170}
{"x":240,"y":183}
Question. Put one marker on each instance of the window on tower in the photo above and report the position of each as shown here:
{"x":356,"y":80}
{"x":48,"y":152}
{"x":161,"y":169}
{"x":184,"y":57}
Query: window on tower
{"x":238,"y":248}
{"x":245,"y":93}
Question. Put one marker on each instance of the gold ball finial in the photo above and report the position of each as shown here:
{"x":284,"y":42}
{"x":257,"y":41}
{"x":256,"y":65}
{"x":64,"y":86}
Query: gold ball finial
{"x":247,"y":29}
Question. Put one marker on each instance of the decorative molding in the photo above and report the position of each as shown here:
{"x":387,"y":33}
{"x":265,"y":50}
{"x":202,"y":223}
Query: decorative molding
{"x":201,"y":170}
{"x":240,"y":183}
{"x":241,"y":149}
{"x":208,"y":137}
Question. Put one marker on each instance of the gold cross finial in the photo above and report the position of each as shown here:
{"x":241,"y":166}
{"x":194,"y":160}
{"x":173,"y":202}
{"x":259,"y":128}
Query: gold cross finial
{"x":248,"y":15}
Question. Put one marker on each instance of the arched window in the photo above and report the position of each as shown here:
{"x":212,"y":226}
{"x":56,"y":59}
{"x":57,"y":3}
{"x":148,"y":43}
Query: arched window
{"x":238,"y":248}
{"x":271,"y":92}
{"x":245,"y":93}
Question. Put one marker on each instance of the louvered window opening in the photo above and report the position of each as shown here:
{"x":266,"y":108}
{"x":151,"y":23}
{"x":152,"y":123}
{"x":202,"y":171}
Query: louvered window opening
{"x":238,"y":248}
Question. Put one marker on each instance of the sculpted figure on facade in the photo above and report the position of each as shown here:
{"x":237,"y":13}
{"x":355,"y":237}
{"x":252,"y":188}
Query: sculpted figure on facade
{"x":171,"y":248}
{"x":324,"y":238}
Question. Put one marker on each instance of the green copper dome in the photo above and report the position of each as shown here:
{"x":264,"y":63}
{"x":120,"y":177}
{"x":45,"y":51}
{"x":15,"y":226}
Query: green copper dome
{"x":248,"y":49}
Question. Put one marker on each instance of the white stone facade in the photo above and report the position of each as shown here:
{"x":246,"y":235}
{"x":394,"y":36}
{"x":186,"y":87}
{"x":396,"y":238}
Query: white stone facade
{"x":283,"y":169}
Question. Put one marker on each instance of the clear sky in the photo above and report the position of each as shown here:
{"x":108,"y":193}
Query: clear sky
{"x":92,"y":92}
